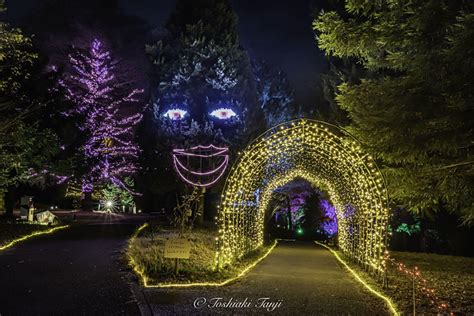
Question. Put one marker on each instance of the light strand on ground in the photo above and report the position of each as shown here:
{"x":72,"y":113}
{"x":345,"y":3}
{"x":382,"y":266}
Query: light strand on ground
{"x":131,"y":261}
{"x":420,"y":282}
{"x":37,"y":233}
{"x":387,"y":300}
{"x":144,"y":279}
{"x":217,"y":284}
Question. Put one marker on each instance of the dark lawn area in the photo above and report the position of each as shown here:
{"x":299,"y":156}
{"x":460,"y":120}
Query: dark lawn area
{"x":451,"y":277}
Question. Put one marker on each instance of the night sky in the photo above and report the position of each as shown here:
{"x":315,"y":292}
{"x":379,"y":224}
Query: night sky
{"x":277,"y":31}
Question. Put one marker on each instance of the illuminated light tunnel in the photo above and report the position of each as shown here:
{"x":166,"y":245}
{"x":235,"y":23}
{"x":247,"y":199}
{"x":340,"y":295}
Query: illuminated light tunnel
{"x":327,"y":157}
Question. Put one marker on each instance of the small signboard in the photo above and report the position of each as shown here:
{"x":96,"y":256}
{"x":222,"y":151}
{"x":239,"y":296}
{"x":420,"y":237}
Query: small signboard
{"x":177,"y":248}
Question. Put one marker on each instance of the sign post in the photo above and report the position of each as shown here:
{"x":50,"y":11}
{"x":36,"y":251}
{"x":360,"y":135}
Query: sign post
{"x":177,"y":248}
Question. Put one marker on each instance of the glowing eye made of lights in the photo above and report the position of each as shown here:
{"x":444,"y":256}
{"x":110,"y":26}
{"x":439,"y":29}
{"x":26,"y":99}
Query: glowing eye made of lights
{"x":223,"y":113}
{"x":175,"y":114}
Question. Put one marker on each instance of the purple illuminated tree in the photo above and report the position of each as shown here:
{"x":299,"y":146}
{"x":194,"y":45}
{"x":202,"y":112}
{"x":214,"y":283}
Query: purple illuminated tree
{"x":103,"y":103}
{"x":329,"y":224}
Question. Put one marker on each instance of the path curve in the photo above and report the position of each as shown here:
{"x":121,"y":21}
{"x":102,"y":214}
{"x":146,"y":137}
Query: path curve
{"x":304,"y":277}
{"x":76,"y":271}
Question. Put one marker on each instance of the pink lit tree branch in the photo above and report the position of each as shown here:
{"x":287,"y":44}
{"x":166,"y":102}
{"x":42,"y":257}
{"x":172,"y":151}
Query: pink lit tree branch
{"x":103,"y":101}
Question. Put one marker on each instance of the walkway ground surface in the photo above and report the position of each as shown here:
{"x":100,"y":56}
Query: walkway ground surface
{"x":298,"y":278}
{"x":79,"y":271}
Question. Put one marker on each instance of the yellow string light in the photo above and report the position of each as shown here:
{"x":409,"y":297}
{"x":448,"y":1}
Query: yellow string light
{"x":144,"y":279}
{"x":322,"y":154}
{"x":37,"y":233}
{"x":387,"y":300}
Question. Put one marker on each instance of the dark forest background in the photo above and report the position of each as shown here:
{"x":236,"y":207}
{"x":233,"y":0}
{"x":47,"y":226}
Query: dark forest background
{"x":401,"y":83}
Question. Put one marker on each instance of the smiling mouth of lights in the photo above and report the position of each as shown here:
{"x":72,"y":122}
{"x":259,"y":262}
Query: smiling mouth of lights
{"x":201,"y":166}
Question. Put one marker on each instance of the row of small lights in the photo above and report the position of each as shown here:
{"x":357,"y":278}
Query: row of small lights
{"x":37,"y":233}
{"x":415,"y":274}
{"x":306,"y":149}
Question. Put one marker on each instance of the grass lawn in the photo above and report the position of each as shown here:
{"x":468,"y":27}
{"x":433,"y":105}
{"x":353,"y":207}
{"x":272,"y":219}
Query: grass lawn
{"x":147,"y":252}
{"x":9,"y":232}
{"x":451,"y":277}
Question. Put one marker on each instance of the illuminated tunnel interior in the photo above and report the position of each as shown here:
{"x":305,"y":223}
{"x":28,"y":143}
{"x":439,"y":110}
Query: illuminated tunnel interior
{"x":323,"y":155}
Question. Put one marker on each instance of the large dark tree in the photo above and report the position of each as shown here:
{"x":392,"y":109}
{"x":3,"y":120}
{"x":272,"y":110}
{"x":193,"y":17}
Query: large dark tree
{"x":199,"y":67}
{"x":203,"y":88}
{"x":274,"y":93}
{"x":414,"y":110}
{"x":338,"y":72}
{"x":26,"y":148}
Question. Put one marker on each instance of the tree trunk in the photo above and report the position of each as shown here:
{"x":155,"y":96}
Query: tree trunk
{"x":200,"y":207}
{"x":9,"y":201}
{"x":2,"y":203}
{"x":86,"y":203}
{"x":290,"y":222}
{"x":423,"y":247}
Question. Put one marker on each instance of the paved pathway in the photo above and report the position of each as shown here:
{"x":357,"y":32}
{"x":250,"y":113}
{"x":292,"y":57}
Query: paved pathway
{"x":299,"y":278}
{"x":76,"y":271}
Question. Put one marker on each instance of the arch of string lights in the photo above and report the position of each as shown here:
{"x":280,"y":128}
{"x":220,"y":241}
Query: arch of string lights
{"x":324,"y":155}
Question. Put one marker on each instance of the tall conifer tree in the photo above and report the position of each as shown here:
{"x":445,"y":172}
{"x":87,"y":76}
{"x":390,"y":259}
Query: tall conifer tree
{"x":414,"y":110}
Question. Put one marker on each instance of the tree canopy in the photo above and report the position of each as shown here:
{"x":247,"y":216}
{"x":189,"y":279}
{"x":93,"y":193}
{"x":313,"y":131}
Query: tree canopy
{"x":25,"y":147}
{"x":200,"y":67}
{"x":106,"y":106}
{"x":200,"y":70}
{"x":412,"y":108}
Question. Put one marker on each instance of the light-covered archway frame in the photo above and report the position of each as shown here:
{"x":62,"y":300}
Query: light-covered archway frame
{"x":327,"y":157}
